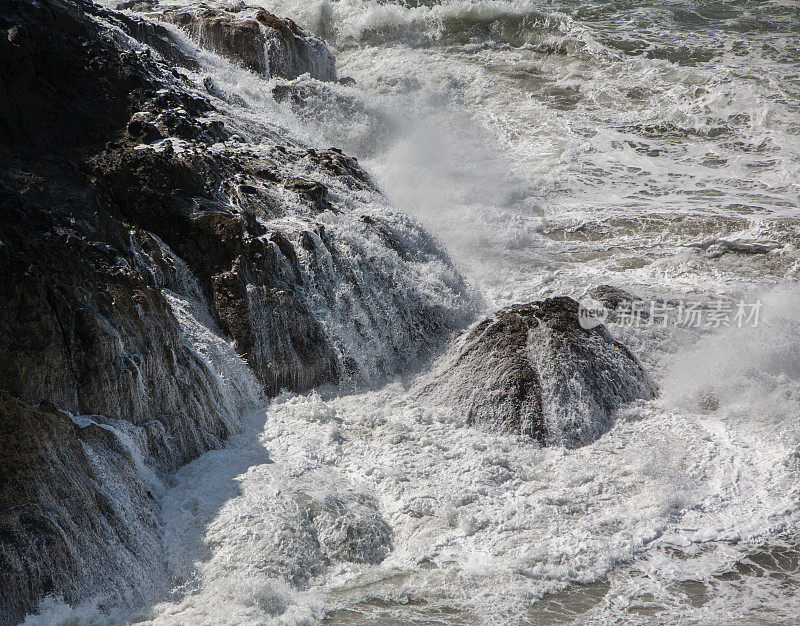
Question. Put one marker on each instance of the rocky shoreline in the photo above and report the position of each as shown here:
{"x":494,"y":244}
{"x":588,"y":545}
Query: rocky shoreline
{"x":148,"y":234}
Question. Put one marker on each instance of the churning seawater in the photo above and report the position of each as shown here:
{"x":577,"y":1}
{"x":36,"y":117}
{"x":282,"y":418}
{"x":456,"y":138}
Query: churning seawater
{"x":552,"y":146}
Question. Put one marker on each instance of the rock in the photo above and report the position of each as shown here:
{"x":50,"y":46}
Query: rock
{"x":82,"y":331}
{"x":311,"y":190}
{"x":612,"y":297}
{"x":244,"y":277}
{"x":256,"y":39}
{"x":144,"y":243}
{"x":59,"y":504}
{"x":533,"y":370}
{"x":156,"y":37}
{"x":61,"y":119}
{"x":618,"y":301}
{"x":715,"y":247}
{"x":350,"y":528}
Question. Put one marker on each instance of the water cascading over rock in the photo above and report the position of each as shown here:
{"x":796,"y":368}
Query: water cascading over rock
{"x":150,"y":245}
{"x":253,"y":38}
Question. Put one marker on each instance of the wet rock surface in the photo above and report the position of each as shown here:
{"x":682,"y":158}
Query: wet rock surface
{"x":58,"y":506}
{"x":532,"y":370}
{"x":612,"y":297}
{"x":125,"y":189}
{"x":619,"y":304}
{"x":255,"y":39}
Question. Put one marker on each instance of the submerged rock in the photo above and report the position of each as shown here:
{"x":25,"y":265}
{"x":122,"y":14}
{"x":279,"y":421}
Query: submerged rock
{"x":255,"y":39}
{"x":533,"y":370}
{"x":349,"y":527}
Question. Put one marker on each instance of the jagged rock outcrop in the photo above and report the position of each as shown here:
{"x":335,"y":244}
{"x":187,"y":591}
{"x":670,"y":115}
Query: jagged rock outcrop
{"x":255,"y":39}
{"x":145,"y":233}
{"x":533,"y":370}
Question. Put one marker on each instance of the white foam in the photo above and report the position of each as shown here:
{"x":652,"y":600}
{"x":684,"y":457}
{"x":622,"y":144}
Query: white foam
{"x":483,"y":524}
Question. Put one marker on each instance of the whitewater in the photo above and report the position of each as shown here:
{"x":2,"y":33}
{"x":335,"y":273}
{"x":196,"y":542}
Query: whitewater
{"x":552,"y":147}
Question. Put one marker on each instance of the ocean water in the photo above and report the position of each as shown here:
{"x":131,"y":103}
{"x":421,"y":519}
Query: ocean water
{"x":552,"y":146}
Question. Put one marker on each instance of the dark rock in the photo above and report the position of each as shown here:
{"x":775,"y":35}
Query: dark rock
{"x":619,"y":303}
{"x":143,"y":131}
{"x":612,"y":297}
{"x":123,"y":191}
{"x":533,"y":370}
{"x":157,"y":37}
{"x":342,"y":166}
{"x":138,"y":5}
{"x":716,"y":247}
{"x":487,"y":374}
{"x":57,"y":506}
{"x":242,"y":276}
{"x":311,"y":190}
{"x":88,"y":75}
{"x":256,"y":39}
